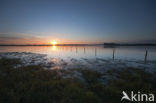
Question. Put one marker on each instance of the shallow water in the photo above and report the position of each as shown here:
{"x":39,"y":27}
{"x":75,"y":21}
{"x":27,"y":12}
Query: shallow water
{"x":89,"y":52}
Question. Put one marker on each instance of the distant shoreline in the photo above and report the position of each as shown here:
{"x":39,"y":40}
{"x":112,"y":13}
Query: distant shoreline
{"x":139,"y":44}
{"x":105,"y":44}
{"x":51,"y":45}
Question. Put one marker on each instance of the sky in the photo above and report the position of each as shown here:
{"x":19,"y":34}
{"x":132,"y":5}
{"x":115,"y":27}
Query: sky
{"x":77,"y":21}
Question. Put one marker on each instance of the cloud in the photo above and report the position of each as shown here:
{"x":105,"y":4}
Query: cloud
{"x":19,"y":38}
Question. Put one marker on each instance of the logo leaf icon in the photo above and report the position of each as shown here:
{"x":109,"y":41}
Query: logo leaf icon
{"x":125,"y":96}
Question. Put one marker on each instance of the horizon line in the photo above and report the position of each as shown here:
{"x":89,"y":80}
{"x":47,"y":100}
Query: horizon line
{"x":114,"y":44}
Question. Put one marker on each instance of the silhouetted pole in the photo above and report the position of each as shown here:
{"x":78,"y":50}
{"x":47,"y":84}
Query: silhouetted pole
{"x":113,"y":53}
{"x":95,"y":51}
{"x":76,"y":49}
{"x":84,"y":50}
{"x":146,"y":56}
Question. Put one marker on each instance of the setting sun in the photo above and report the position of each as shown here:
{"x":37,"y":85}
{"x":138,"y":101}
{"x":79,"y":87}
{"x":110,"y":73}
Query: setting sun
{"x":53,"y":42}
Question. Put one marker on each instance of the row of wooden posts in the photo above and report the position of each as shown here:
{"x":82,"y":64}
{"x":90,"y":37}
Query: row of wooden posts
{"x":145,"y":59}
{"x":113,"y":55}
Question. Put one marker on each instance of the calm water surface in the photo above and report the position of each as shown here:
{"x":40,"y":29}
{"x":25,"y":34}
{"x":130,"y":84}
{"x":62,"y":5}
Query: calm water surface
{"x":124,"y":52}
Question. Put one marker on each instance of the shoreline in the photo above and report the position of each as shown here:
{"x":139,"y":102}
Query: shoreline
{"x":102,"y":65}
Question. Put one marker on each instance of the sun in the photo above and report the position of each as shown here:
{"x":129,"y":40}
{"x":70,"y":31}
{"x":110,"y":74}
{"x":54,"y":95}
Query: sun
{"x":53,"y":42}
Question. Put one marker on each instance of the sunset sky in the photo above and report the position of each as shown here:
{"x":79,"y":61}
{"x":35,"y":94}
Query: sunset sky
{"x":77,"y":21}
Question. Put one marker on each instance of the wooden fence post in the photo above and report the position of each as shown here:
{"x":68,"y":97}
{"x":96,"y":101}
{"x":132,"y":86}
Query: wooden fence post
{"x":76,"y":49}
{"x":84,"y":51}
{"x":113,"y":53}
{"x":95,"y":51}
{"x":146,"y":56}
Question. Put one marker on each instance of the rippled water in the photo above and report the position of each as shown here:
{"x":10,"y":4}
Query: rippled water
{"x":89,"y":52}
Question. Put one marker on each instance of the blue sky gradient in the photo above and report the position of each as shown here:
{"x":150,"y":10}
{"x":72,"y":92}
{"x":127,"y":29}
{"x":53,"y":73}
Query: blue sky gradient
{"x":77,"y":21}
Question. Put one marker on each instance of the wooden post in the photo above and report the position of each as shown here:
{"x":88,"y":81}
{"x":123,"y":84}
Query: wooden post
{"x":146,"y":56}
{"x":95,"y":51}
{"x":84,"y":51}
{"x":113,"y":53}
{"x":76,"y":49}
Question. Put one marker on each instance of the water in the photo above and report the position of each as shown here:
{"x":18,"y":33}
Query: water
{"x":89,"y":52}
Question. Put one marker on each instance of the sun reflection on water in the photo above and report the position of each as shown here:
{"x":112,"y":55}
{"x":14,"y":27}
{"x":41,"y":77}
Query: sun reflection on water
{"x":53,"y":48}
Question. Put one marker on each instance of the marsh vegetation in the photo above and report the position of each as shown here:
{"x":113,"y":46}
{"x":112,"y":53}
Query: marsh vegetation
{"x":34,"y":84}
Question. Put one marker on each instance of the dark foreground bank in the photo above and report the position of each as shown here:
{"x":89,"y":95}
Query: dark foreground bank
{"x":33,"y":84}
